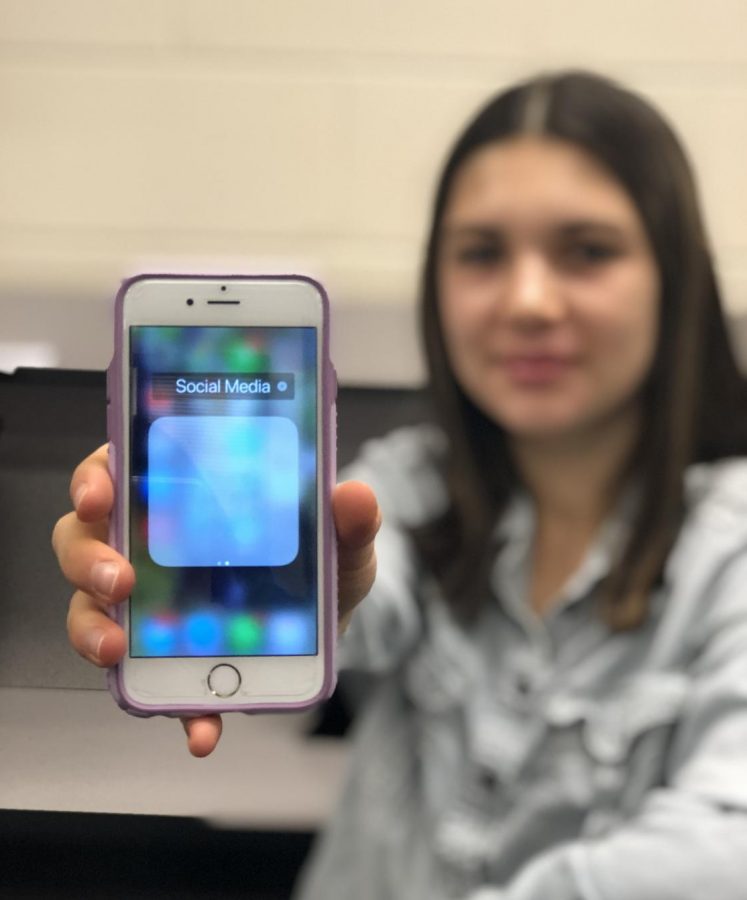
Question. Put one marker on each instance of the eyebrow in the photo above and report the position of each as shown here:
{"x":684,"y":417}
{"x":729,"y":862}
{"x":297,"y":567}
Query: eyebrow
{"x":568,"y":228}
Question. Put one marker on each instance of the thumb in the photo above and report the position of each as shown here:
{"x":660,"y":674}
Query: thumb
{"x":357,"y":520}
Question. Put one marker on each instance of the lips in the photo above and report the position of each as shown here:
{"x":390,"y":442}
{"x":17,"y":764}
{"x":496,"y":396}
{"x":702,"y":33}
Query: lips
{"x":536,"y":368}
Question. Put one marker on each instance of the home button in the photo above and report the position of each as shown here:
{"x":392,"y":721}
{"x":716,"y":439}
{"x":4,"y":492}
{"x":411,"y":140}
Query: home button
{"x":224,"y":680}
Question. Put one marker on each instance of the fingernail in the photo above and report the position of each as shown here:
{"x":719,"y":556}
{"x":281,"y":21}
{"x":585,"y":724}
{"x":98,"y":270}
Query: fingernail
{"x":94,"y":640}
{"x":104,"y":577}
{"x":79,"y":495}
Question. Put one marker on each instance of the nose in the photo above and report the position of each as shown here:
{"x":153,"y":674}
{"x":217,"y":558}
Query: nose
{"x":532,"y":297}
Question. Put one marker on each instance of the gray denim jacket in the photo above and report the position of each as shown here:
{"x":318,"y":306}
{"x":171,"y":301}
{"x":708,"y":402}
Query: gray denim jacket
{"x":545,"y":760}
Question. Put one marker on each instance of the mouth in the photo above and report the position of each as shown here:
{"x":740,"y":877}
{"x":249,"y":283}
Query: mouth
{"x":536,"y":368}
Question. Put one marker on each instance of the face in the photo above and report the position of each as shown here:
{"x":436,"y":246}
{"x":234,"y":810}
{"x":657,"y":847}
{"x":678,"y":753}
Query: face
{"x":548,"y":289}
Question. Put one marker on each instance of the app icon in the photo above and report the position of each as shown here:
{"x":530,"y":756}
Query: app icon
{"x":203,"y":633}
{"x":158,"y":635}
{"x":245,"y":634}
{"x":223,"y":488}
{"x":290,"y":633}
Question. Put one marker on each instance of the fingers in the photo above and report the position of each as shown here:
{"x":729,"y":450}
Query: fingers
{"x":79,"y":538}
{"x":357,"y":520}
{"x":104,"y":577}
{"x":203,"y":734}
{"x":89,"y":563}
{"x":101,"y":575}
{"x":91,"y":488}
{"x":97,"y":638}
{"x":92,"y":633}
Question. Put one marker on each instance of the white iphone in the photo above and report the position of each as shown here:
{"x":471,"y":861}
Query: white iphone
{"x":221,"y":415}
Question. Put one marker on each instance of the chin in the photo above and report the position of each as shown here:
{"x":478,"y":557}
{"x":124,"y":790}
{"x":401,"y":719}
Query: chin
{"x":561,"y":425}
{"x":537,"y":423}
{"x":541,"y":431}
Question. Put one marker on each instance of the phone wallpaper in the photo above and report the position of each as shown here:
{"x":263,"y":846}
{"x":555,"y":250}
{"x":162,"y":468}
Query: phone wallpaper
{"x":223,"y":491}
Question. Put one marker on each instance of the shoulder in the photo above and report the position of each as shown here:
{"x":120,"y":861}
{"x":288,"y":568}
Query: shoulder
{"x":703,"y":592}
{"x":716,"y":497}
{"x":711,"y":550}
{"x":706,"y":573}
{"x":405,"y":469}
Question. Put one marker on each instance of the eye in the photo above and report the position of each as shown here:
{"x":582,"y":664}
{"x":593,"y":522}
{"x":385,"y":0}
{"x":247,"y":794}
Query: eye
{"x":588,"y":253}
{"x":479,"y":255}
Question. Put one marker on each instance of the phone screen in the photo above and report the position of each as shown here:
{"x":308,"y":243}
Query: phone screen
{"x":223,"y":491}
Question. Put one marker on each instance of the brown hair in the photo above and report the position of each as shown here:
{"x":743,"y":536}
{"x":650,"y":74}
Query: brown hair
{"x":694,"y":398}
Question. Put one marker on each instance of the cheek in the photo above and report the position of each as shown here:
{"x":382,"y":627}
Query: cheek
{"x":625,"y":343}
{"x":466,"y":305}
{"x":457,"y":314}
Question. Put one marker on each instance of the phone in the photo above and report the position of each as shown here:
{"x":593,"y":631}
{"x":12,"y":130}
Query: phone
{"x":221,"y":421}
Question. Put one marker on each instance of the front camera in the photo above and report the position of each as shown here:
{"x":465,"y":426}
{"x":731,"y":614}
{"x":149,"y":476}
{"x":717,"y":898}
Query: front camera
{"x":190,"y":302}
{"x":223,"y":287}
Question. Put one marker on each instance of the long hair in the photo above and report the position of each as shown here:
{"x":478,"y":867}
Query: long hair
{"x":694,"y":396}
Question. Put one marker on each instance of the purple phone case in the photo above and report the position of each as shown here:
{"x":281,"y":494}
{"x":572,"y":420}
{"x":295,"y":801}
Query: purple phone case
{"x":328,"y":451}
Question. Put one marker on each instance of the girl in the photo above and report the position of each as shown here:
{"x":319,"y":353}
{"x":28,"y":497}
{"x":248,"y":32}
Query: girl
{"x":559,"y":619}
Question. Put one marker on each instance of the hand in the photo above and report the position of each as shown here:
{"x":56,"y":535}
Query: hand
{"x":103,"y":577}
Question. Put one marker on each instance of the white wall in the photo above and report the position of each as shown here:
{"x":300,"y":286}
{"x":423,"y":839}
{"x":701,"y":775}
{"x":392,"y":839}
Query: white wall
{"x":305,"y":135}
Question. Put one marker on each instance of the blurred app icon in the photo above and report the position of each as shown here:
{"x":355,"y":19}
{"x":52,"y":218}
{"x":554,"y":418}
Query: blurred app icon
{"x":203,"y":634}
{"x":158,"y":635}
{"x":290,"y":633}
{"x":245,"y":634}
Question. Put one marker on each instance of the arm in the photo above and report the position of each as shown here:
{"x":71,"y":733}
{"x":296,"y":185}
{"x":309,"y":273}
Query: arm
{"x":689,"y":840}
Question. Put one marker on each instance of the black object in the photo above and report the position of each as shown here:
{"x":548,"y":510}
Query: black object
{"x":69,"y":856}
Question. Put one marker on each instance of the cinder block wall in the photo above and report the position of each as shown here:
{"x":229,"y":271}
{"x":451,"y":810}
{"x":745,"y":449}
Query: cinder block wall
{"x":266,"y":135}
